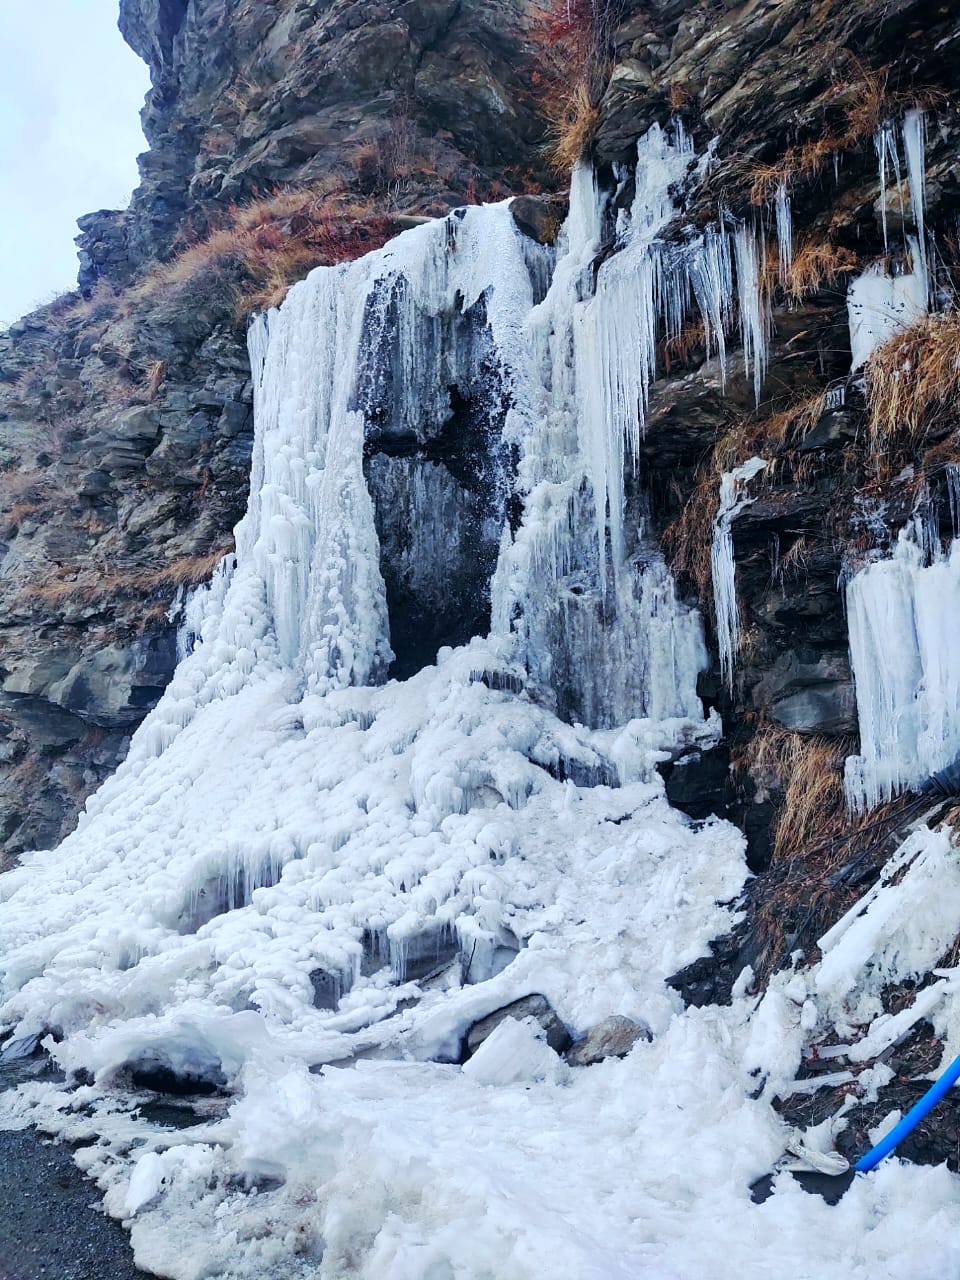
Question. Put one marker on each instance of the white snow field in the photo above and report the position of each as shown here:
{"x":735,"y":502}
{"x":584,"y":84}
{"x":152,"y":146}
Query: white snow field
{"x":290,"y":832}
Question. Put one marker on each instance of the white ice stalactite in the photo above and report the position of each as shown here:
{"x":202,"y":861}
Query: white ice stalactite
{"x":882,"y":301}
{"x":914,"y":146}
{"x":579,"y":564}
{"x":754,"y":313}
{"x":784,"y":218}
{"x":904,"y":615}
{"x":733,"y":499}
{"x":885,"y":141}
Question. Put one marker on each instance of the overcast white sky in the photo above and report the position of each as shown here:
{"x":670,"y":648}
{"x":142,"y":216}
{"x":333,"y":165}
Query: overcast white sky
{"x":70,"y":97}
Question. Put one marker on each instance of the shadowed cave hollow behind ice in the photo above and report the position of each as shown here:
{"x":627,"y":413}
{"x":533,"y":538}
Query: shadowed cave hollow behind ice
{"x":439,"y":472}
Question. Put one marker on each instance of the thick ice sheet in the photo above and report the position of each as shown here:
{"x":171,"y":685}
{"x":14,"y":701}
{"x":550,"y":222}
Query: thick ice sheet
{"x":903,"y":615}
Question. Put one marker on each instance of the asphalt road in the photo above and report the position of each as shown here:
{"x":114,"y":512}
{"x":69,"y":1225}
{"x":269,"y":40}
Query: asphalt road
{"x":51,"y":1223}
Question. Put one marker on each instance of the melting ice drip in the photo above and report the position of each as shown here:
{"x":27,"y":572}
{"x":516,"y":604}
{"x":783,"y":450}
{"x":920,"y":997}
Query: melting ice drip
{"x":733,"y":499}
{"x":903,"y":617}
{"x":880,"y":303}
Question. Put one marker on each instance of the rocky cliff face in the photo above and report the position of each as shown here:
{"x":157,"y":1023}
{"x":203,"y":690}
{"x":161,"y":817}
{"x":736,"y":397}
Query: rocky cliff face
{"x":125,"y":420}
{"x":428,"y":100}
{"x":791,"y":97}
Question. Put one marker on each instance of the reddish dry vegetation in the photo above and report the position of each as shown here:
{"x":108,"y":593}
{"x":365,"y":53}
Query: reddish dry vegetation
{"x":268,"y":244}
{"x":573,"y":42}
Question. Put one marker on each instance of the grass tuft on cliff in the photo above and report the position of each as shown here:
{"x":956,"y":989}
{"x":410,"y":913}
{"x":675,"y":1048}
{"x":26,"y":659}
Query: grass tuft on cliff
{"x":267,"y":245}
{"x":573,"y":39}
{"x":912,"y":379}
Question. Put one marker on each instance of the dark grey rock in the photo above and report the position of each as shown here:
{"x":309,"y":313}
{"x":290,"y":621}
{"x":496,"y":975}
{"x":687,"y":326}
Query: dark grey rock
{"x":539,"y":217}
{"x":116,"y":685}
{"x":537,"y":1007}
{"x":809,"y":692}
{"x":327,"y":989}
{"x":141,"y":422}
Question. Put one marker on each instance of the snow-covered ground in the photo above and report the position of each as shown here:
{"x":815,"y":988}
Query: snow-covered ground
{"x":304,"y":886}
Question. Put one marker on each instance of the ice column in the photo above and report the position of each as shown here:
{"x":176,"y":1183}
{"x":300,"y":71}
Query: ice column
{"x":732,"y":502}
{"x":784,"y":230}
{"x":904,"y":617}
{"x":914,"y":145}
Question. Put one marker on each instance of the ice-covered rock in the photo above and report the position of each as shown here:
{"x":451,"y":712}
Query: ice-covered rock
{"x":515,"y":1052}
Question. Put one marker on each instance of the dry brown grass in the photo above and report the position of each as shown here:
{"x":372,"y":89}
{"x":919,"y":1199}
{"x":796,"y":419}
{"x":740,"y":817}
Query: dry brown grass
{"x":817,"y":264}
{"x":573,"y":123}
{"x":572,"y":39}
{"x":809,"y":772}
{"x":683,"y":347}
{"x":90,"y":588}
{"x":912,"y":379}
{"x":822,"y":858}
{"x":855,"y":107}
{"x":687,"y":540}
{"x":269,"y":244}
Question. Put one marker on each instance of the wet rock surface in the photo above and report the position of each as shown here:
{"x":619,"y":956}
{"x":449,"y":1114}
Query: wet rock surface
{"x":52,"y":1226}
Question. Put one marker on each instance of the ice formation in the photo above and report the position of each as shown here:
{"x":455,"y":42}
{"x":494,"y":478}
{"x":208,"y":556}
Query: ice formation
{"x":882,"y":301}
{"x":880,"y":304}
{"x":733,"y":499}
{"x":307,"y":880}
{"x":784,"y":219}
{"x":902,"y":613}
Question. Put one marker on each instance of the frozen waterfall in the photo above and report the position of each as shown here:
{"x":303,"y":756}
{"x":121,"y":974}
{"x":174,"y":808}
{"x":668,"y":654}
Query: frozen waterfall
{"x":329,"y":853}
{"x":902,"y":613}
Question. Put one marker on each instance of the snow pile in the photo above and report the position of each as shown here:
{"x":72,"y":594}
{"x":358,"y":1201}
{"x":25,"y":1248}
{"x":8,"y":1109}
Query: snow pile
{"x":903,"y":616}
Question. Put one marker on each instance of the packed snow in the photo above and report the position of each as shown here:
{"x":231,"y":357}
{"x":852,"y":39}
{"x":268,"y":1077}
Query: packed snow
{"x":307,"y":881}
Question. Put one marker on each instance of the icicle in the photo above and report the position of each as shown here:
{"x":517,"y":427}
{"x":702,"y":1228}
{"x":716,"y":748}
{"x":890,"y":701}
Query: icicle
{"x":754,"y":315}
{"x":914,"y":143}
{"x":784,"y":231}
{"x":732,"y":502}
{"x":886,"y":144}
{"x":953,"y":492}
{"x":711,"y":279}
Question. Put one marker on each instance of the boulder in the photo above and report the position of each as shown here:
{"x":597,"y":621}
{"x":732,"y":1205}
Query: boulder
{"x":612,"y":1038}
{"x":537,"y":1007}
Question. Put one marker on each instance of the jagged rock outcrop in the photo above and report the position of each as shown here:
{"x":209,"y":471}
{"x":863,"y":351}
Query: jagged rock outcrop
{"x":788,"y":94}
{"x":425,"y":103}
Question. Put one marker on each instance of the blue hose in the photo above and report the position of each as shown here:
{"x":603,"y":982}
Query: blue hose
{"x":911,"y":1119}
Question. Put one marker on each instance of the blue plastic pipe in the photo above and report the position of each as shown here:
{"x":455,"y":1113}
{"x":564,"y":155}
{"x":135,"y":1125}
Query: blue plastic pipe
{"x":911,"y":1119}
